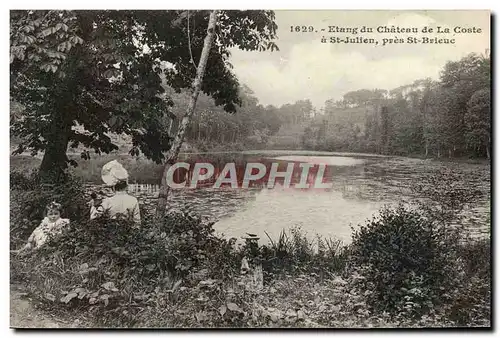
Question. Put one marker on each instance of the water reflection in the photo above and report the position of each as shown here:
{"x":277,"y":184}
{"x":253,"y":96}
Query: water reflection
{"x":327,"y":213}
{"x":361,"y":186}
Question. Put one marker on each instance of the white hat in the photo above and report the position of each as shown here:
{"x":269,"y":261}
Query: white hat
{"x":113,"y":172}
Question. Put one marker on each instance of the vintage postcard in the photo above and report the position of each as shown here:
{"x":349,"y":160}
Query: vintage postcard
{"x":250,"y":169}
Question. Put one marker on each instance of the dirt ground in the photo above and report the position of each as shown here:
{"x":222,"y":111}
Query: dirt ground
{"x":24,"y":314}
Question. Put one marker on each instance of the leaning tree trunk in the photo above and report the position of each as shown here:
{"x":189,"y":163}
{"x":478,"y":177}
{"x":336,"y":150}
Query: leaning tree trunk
{"x":179,"y":138}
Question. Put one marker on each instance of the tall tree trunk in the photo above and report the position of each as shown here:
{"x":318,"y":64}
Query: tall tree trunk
{"x":179,"y":138}
{"x":55,"y":160}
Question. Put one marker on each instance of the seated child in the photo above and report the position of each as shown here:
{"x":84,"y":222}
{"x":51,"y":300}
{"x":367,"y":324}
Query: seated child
{"x":51,"y":225}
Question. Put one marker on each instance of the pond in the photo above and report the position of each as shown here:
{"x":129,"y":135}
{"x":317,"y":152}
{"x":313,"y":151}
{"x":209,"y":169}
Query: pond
{"x":362,"y":185}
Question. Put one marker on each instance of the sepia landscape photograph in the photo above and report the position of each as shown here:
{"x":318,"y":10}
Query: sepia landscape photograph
{"x":250,"y":169}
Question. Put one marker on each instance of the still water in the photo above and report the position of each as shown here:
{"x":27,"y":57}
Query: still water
{"x":362,"y":184}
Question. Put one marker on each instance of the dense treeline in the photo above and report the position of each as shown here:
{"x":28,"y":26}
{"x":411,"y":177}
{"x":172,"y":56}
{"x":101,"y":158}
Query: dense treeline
{"x":252,"y":123}
{"x":449,"y":117}
{"x":251,"y":126}
{"x":445,"y":118}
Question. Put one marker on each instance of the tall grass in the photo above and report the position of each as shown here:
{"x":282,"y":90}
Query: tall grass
{"x":294,"y":252}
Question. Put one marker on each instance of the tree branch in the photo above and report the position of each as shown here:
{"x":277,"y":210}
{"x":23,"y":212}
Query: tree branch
{"x":189,"y":43}
{"x":94,"y":99}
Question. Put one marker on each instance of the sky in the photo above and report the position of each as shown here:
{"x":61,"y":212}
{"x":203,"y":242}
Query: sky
{"x":305,"y":68}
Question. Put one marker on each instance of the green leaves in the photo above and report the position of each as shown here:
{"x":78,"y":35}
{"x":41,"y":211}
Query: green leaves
{"x":110,"y":286}
{"x":49,"y":67}
{"x":62,"y":26}
{"x":98,"y":65}
{"x":233,"y":307}
{"x":66,"y":299}
{"x":111,"y":73}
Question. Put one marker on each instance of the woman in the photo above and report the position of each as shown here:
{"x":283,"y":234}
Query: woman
{"x":121,"y":203}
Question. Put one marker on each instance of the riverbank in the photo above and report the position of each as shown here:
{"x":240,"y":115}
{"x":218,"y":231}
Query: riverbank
{"x":105,"y":289}
{"x":176,"y":272}
{"x":143,"y":170}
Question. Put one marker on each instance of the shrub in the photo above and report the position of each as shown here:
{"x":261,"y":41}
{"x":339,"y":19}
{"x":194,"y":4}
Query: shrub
{"x":408,"y":262}
{"x":29,"y":195}
{"x":114,"y":270}
{"x":419,"y":263}
{"x":170,"y":273}
{"x":471,"y":305}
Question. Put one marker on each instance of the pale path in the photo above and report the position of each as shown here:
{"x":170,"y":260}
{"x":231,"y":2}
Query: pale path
{"x":23,"y":313}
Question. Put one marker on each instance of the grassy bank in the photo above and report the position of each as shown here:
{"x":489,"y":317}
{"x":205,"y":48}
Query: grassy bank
{"x":407,"y":268}
{"x":106,"y":287}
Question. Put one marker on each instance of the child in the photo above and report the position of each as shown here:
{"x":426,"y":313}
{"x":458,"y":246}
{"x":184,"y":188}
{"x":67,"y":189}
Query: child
{"x":50,"y":226}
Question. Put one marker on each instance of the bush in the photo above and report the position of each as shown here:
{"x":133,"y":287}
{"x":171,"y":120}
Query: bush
{"x":171,"y":273}
{"x":419,"y":270}
{"x":471,"y":305}
{"x":114,"y":270}
{"x":419,"y":263}
{"x":107,"y":268}
{"x":30,"y":194}
{"x":408,"y":262}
